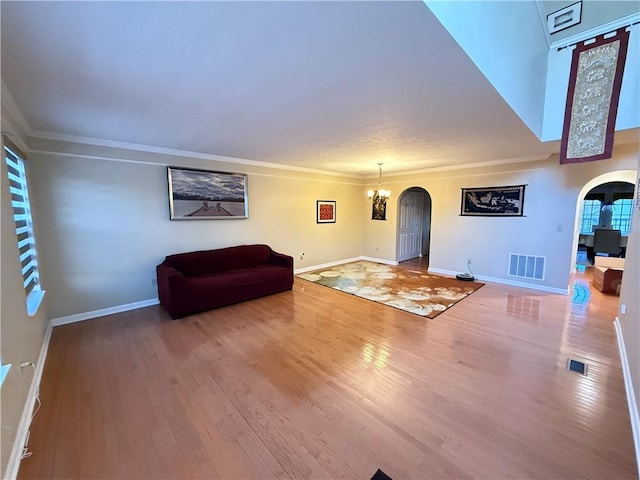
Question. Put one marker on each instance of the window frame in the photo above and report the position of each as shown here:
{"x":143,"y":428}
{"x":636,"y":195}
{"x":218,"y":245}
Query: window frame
{"x":14,"y":160}
{"x":622,"y":214}
{"x":593,"y":209}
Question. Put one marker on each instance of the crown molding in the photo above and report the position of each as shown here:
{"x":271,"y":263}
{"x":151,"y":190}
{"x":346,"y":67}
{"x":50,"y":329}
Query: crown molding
{"x":465,"y":166}
{"x":599,"y":30}
{"x":63,"y":137}
{"x":14,"y":123}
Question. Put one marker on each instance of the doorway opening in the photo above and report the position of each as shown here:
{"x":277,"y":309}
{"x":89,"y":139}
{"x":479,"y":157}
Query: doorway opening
{"x":605,"y":206}
{"x":413,"y":231}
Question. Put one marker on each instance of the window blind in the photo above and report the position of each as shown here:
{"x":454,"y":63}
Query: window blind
{"x":22,"y":218}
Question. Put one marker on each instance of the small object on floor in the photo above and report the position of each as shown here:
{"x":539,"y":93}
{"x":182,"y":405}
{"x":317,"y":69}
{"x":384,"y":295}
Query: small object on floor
{"x":466,"y":277}
{"x":380,"y":475}
{"x":577,"y":366}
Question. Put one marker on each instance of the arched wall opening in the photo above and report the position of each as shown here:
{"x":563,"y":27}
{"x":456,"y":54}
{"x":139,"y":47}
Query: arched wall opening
{"x":628,"y":176}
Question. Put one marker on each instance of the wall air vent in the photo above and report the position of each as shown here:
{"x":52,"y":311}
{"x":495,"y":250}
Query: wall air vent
{"x":527,"y":266}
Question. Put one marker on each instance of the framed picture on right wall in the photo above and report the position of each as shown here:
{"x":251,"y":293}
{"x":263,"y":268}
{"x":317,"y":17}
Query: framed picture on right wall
{"x":493,"y":201}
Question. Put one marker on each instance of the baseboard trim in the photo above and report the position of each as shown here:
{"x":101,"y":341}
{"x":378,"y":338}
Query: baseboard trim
{"x":634,"y":414}
{"x":25,"y":420}
{"x":79,"y":317}
{"x":325,"y":265}
{"x":341,"y":262}
{"x":504,"y":281}
{"x":380,"y":260}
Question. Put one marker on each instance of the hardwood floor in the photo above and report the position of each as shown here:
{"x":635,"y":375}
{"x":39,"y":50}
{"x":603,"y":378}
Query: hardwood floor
{"x":315,"y":383}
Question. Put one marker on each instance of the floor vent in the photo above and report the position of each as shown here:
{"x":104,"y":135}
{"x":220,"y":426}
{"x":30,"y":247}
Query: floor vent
{"x":577,"y":366}
{"x":527,"y":266}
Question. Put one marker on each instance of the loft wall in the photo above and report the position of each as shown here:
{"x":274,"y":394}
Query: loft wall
{"x":105,"y":225}
{"x":507,"y":42}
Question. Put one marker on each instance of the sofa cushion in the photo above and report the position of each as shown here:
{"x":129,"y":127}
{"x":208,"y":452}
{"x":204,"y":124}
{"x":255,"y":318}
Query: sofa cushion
{"x":232,"y":278}
{"x":221,"y":260}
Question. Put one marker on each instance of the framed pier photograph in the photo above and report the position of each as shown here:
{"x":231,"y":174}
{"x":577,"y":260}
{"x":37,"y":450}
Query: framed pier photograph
{"x":206,"y":195}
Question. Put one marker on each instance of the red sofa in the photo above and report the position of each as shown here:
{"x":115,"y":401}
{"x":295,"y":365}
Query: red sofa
{"x":198,"y":281}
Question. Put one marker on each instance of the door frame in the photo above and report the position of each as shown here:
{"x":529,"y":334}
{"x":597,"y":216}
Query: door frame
{"x":425,"y":220}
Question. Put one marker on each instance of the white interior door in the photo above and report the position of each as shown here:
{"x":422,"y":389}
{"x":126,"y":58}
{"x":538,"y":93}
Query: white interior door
{"x":410,"y":227}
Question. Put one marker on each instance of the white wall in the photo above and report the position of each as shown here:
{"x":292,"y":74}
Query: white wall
{"x":105,"y":224}
{"x":507,"y":42}
{"x":558,"y":68}
{"x":21,"y":335}
{"x":547,"y":229}
{"x":630,"y":297}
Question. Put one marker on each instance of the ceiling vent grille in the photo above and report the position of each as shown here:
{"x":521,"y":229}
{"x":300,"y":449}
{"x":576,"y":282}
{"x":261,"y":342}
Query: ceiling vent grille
{"x":527,"y":266}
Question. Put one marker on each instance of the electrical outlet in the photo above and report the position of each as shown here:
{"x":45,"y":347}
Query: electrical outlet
{"x":154,"y":282}
{"x":302,"y":256}
{"x":623,"y":309}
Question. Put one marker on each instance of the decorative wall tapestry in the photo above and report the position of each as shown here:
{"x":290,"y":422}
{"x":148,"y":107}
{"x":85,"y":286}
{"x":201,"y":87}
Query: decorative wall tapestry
{"x":493,"y":201}
{"x":592,"y":99}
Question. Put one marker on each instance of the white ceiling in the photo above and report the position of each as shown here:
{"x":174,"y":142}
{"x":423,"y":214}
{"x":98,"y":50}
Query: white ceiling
{"x":335,"y":86}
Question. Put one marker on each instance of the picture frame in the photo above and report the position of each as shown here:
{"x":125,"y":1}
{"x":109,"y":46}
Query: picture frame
{"x":325,"y":211}
{"x":493,"y":201}
{"x":196,"y":194}
{"x":379,"y":209}
{"x":564,"y":18}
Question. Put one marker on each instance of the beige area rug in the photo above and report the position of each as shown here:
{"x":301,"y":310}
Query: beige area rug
{"x":410,"y":290}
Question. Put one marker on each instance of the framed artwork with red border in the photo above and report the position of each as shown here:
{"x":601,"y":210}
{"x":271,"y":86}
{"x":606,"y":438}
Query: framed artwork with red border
{"x":325,"y":211}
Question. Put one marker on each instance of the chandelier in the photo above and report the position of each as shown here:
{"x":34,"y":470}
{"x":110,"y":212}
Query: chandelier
{"x":380,"y":195}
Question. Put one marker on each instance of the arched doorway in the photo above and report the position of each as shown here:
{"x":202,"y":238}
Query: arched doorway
{"x":413,"y":231}
{"x":607,"y":188}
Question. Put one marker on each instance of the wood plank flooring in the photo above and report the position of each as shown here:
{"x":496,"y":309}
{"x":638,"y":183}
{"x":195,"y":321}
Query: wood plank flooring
{"x":315,"y":383}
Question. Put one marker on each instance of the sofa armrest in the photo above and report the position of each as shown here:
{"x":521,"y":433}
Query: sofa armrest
{"x":282,"y":260}
{"x":168,"y":277}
